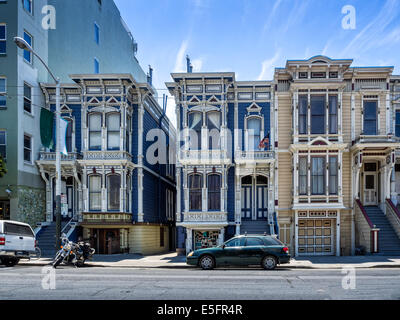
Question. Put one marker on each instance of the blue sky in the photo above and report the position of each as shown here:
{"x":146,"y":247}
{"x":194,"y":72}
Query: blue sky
{"x":252,"y":37}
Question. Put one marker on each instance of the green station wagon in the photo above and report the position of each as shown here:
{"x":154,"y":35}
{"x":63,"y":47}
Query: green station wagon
{"x":266,"y":251}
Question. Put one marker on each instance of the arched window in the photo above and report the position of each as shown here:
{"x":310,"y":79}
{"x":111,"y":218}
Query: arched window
{"x":214,"y":192}
{"x":95,"y":120}
{"x":113,"y":131}
{"x":195,"y":186}
{"x":95,"y":192}
{"x":113,"y":191}
{"x":214,"y":127}
{"x":253,"y":133}
{"x":195,"y":121}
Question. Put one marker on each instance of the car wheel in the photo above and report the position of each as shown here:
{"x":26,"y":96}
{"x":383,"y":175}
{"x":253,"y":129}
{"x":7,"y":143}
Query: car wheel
{"x":269,"y":263}
{"x":207,"y":262}
{"x":10,"y":262}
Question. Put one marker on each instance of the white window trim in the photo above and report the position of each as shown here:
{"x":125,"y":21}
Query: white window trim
{"x":31,"y":99}
{"x":5,"y":142}
{"x":4,"y":93}
{"x":23,"y":5}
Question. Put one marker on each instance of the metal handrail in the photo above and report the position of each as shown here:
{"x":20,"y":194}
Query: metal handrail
{"x":371,"y":225}
{"x":69,"y":222}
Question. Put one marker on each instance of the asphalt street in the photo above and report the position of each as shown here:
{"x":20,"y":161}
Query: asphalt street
{"x":93,"y":283}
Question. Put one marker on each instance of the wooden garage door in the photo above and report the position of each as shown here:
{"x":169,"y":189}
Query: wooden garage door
{"x":315,"y":237}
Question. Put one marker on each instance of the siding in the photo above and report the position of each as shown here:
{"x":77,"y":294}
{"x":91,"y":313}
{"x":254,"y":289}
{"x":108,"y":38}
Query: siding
{"x":285,"y":180}
{"x":346,"y":118}
{"x":346,"y":179}
{"x":284,"y":121}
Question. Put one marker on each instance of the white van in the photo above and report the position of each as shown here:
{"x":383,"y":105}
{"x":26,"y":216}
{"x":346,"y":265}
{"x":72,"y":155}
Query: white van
{"x":17,"y":241}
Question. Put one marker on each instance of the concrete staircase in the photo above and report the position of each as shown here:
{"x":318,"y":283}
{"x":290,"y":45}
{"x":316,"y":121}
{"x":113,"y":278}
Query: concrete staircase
{"x":254,"y":227}
{"x":388,"y":241}
{"x":47,"y":239}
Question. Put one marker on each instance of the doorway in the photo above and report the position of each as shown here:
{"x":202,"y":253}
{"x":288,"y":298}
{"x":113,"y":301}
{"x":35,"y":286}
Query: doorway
{"x":254,"y":198}
{"x":106,"y":241}
{"x":370,"y":184}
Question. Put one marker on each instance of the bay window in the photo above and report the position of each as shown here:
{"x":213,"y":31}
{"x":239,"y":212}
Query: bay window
{"x":317,"y":176}
{"x":318,"y":114}
{"x":195,"y":120}
{"x":113,"y":131}
{"x":95,"y":121}
{"x":113,"y":191}
{"x":253,"y":133}
{"x":95,"y":192}
{"x":370,"y":117}
{"x":213,"y":126}
{"x":195,"y":192}
{"x":303,"y":106}
{"x":214,"y":192}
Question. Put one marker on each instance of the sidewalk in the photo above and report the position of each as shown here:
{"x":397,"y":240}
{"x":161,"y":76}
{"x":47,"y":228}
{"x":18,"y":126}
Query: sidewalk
{"x":171,"y":260}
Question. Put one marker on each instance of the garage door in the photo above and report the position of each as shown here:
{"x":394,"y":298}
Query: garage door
{"x":315,"y":237}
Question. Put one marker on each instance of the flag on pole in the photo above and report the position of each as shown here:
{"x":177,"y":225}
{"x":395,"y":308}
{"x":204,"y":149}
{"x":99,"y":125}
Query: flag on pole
{"x":264,"y":143}
{"x":63,"y":136}
{"x":46,"y":128}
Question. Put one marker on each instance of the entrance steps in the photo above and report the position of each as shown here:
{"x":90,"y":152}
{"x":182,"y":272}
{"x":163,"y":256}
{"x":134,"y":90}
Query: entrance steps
{"x":256,"y":227}
{"x":46,"y":239}
{"x":388,"y":241}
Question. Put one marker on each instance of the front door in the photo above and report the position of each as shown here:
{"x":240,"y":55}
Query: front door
{"x":370,"y":190}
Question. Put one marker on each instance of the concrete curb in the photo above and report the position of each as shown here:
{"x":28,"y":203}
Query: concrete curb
{"x":336,"y":266}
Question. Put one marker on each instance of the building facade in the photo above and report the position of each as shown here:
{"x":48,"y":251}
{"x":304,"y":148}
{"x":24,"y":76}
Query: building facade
{"x":326,"y":181}
{"x":121,"y":199}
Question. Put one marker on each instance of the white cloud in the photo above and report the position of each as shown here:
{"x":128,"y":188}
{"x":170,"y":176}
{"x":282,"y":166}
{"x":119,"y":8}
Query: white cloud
{"x":180,"y":62}
{"x":197,"y":65}
{"x":267,"y":70}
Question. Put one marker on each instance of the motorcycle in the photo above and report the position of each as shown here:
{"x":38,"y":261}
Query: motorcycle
{"x":73,"y":253}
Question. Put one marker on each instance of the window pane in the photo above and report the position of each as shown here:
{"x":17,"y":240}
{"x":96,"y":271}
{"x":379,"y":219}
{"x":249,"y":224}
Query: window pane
{"x":213,"y":120}
{"x":95,"y":122}
{"x":113,"y":122}
{"x":95,"y":183}
{"x":27,"y":54}
{"x":370,"y":117}
{"x":303,"y":176}
{"x":113,"y":140}
{"x":253,"y":242}
{"x":254,"y":133}
{"x":2,"y":137}
{"x":317,"y":176}
{"x":317,"y":114}
{"x":2,"y":85}
{"x":303,"y":105}
{"x":2,"y":32}
{"x":27,"y":91}
{"x":195,"y":124}
{"x":397,"y":123}
{"x":333,"y":172}
{"x":333,"y":105}
{"x":113,"y":188}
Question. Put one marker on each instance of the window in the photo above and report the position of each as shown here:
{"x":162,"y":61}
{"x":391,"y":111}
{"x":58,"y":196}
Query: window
{"x":317,"y":176}
{"x":195,"y":120}
{"x":333,"y":75}
{"x":27,"y":148}
{"x":28,"y":54}
{"x":318,"y":75}
{"x":370,"y":115}
{"x":96,"y":66}
{"x":254,"y":133}
{"x":303,"y":75}
{"x":95,"y":120}
{"x":128,"y":193}
{"x":3,"y":92}
{"x":95,"y":193}
{"x":27,"y":98}
{"x":3,"y":144}
{"x":397,"y":125}
{"x":113,"y":191}
{"x":303,"y":106}
{"x":3,"y":38}
{"x":333,"y":111}
{"x":251,"y":242}
{"x":28,"y":6}
{"x":214,"y":192}
{"x":317,"y":114}
{"x":236,"y":242}
{"x":113,"y":131}
{"x":333,"y":175}
{"x":195,"y":191}
{"x":68,"y":137}
{"x":96,"y":33}
{"x":213,"y":126}
{"x":303,"y":170}
{"x":169,"y":204}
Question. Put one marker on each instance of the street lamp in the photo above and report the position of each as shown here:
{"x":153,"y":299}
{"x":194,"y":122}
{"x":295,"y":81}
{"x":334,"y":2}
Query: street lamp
{"x":21,"y":43}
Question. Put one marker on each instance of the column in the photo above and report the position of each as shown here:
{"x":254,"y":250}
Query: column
{"x":189,"y":242}
{"x":238,"y":204}
{"x":338,"y":234}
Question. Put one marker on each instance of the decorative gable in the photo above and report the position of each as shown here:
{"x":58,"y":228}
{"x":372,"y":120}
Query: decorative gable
{"x":254,"y":108}
{"x":194,"y":99}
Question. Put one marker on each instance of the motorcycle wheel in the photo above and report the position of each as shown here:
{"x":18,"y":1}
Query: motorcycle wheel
{"x":80,"y":263}
{"x":57,"y":260}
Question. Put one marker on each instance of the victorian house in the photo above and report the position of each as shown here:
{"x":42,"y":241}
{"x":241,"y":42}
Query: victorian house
{"x":309,"y":157}
{"x":112,"y":193}
{"x":225,"y":163}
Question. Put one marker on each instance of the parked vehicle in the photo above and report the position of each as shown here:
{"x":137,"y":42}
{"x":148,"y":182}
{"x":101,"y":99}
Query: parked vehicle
{"x":266,"y":251}
{"x":17,"y":241}
{"x":73,"y":253}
